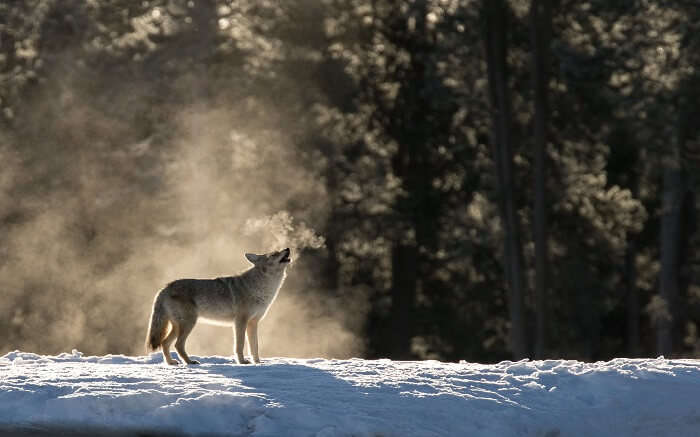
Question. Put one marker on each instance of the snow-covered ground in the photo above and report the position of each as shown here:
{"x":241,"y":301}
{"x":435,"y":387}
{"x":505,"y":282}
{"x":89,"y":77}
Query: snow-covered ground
{"x":317,"y":397}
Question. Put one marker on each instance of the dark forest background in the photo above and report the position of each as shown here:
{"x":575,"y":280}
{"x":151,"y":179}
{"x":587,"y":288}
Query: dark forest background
{"x":493,"y":179}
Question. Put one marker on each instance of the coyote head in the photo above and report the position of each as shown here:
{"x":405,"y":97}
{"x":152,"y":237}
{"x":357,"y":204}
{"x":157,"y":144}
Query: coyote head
{"x":274,"y":260}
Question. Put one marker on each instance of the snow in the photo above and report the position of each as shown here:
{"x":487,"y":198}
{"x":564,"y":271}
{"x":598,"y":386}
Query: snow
{"x":324,"y":398}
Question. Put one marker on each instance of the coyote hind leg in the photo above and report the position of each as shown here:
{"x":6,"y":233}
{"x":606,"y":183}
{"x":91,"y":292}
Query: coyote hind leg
{"x":167,"y":341}
{"x":186,"y":327}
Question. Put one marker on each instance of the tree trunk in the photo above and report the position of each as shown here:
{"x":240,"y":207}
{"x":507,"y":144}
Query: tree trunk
{"x":495,"y":38}
{"x":632,"y":298}
{"x":670,"y":235}
{"x":331,"y":270}
{"x":404,"y":263}
{"x":417,"y":215}
{"x":540,"y":22}
{"x":671,"y":221}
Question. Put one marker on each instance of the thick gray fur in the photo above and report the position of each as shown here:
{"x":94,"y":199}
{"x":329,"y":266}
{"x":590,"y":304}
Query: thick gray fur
{"x":239,"y":301}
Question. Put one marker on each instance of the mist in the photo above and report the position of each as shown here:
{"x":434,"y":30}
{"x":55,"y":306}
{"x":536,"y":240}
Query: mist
{"x":108,"y":193}
{"x":456,"y":179}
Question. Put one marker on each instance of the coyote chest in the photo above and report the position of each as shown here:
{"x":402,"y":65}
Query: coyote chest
{"x":244,"y":295}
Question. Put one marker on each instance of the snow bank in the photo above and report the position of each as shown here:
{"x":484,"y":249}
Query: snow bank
{"x":295,"y":397}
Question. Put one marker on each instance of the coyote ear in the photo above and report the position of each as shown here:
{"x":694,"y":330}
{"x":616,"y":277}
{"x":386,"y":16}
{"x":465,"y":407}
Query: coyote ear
{"x":252,"y":257}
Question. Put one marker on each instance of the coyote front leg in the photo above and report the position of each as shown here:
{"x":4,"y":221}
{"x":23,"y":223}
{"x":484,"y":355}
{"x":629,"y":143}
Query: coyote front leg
{"x":239,"y":339}
{"x":253,"y":340}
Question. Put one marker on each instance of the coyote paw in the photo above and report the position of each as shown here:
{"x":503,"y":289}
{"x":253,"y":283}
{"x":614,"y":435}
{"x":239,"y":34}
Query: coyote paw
{"x":193,"y":362}
{"x":173,"y":363}
{"x":244,"y":361}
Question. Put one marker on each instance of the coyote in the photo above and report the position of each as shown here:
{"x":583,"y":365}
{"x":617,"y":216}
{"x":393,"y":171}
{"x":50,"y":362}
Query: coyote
{"x":240,"y":301}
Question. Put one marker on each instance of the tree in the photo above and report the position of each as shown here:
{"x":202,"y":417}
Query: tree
{"x":496,"y":47}
{"x":678,"y":220}
{"x":540,"y":22}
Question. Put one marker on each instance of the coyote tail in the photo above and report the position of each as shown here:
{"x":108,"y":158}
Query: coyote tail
{"x":158,"y":325}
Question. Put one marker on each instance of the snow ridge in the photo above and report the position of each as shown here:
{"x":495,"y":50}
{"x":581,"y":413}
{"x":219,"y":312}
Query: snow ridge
{"x":318,"y":397}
